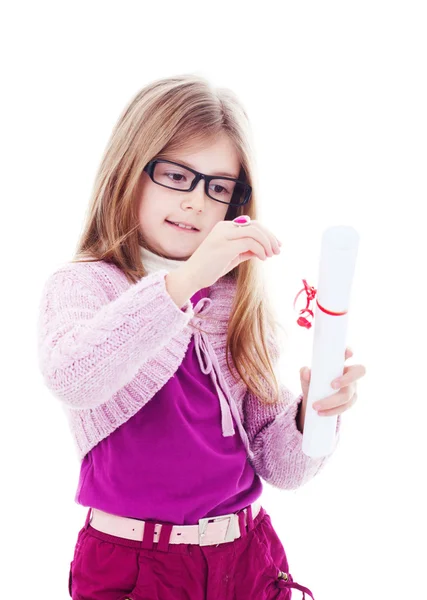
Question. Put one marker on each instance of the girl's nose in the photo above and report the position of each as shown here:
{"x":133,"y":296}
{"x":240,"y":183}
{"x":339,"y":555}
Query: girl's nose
{"x":198,"y":193}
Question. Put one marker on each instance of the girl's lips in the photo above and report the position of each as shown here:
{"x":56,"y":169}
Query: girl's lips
{"x":182,"y":228}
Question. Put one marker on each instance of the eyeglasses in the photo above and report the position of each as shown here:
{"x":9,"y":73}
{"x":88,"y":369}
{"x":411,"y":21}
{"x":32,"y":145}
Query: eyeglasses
{"x":178,"y":177}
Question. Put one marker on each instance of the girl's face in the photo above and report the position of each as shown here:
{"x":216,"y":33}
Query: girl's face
{"x":158,"y":204}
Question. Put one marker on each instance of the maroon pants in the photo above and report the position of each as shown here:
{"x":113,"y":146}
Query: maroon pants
{"x":254,"y":566}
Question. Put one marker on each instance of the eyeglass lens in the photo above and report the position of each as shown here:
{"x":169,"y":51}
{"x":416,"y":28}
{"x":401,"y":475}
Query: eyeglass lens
{"x":180,"y":178}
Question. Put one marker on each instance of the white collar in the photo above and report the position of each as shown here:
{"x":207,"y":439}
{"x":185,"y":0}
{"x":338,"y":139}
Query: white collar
{"x":153,"y":262}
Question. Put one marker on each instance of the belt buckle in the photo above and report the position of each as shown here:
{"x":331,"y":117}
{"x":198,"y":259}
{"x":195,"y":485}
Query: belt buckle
{"x":231,"y":533}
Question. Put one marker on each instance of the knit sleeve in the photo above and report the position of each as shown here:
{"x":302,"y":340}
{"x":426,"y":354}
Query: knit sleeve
{"x":276,"y":440}
{"x":89,"y":347}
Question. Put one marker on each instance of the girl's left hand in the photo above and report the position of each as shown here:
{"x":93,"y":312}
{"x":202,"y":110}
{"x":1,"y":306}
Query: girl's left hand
{"x":346,"y":395}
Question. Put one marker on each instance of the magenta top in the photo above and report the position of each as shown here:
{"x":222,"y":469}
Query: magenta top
{"x":164,"y":427}
{"x":180,"y":474}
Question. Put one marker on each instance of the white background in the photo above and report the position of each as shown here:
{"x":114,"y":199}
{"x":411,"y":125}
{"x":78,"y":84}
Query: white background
{"x":336,"y":94}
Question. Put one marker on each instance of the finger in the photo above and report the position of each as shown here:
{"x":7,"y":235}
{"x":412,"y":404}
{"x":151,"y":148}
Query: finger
{"x":338,"y":399}
{"x":274,"y":243}
{"x":351,"y":374}
{"x":254,"y":234}
{"x":338,"y":409}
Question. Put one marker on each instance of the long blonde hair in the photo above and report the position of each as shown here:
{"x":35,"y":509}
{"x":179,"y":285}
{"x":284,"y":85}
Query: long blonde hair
{"x":164,"y":116}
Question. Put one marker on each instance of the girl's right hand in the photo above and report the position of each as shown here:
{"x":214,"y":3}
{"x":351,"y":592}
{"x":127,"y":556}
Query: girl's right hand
{"x":225,"y":247}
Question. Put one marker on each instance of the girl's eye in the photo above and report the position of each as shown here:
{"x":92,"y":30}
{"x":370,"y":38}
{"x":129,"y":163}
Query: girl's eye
{"x":176,"y":175}
{"x":218,"y":189}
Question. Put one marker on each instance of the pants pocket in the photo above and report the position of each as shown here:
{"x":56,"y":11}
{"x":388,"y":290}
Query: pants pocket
{"x":274,"y":561}
{"x":103,"y":569}
{"x":273,"y":547}
{"x":280,"y":580}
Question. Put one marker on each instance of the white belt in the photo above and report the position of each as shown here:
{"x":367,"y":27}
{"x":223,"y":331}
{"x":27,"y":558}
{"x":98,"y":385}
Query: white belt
{"x":209,"y":531}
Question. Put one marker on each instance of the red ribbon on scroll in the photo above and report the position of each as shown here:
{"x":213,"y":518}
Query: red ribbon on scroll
{"x":311,"y":293}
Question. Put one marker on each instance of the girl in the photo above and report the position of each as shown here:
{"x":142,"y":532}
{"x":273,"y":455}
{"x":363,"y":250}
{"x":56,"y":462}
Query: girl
{"x":174,"y":421}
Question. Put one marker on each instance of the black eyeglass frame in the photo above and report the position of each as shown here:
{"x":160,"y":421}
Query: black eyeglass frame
{"x":149,"y":169}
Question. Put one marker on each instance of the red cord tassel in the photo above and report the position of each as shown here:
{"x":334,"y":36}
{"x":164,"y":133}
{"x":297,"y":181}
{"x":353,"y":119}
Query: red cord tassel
{"x":311,"y":293}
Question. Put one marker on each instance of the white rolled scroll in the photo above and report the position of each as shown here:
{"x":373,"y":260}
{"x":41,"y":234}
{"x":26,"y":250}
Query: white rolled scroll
{"x":336,"y":269}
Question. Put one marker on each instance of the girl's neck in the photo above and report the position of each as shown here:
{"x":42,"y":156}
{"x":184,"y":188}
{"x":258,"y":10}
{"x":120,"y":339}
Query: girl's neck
{"x":153,"y":262}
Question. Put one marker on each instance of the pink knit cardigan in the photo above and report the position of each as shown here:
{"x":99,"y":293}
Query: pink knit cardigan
{"x":107,"y":346}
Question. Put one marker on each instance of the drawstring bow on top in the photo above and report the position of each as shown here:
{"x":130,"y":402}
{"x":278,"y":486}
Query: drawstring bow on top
{"x":211,"y":366}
